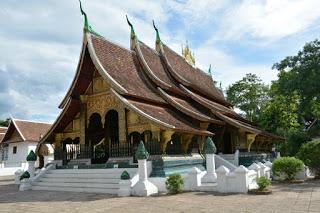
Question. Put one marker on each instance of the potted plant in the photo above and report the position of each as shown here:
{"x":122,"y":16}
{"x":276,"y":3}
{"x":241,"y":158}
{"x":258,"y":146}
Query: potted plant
{"x":263,"y":184}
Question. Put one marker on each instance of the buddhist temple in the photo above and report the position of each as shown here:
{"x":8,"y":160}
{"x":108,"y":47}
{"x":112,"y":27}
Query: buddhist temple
{"x":120,"y":96}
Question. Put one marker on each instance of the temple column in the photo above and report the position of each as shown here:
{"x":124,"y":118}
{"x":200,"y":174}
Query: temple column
{"x":185,"y":141}
{"x":165,"y":137}
{"x":201,"y":140}
{"x":250,"y":140}
{"x":57,"y":140}
{"x":83,"y":118}
{"x":122,"y":125}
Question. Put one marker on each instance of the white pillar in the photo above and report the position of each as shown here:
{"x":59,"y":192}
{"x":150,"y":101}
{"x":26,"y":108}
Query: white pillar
{"x":211,"y":175}
{"x":143,"y":187}
{"x":262,"y":169}
{"x":241,"y":179}
{"x":268,"y":164}
{"x":142,"y":166}
{"x":256,"y":168}
{"x":236,"y":157}
{"x":222,"y":173}
{"x":31,"y":168}
{"x":17,"y":175}
{"x":25,"y":185}
{"x":193,"y":180}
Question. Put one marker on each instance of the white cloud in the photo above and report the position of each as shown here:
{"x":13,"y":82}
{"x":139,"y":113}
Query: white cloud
{"x":195,"y":13}
{"x":40,"y":40}
{"x":227,"y":69}
{"x":269,"y":19}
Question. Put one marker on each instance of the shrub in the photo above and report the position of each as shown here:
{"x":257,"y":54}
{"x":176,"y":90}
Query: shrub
{"x":288,"y":166}
{"x":309,"y":153}
{"x":175,"y":183}
{"x":263,"y":183}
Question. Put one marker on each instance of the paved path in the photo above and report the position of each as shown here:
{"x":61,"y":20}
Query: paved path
{"x":286,"y":198}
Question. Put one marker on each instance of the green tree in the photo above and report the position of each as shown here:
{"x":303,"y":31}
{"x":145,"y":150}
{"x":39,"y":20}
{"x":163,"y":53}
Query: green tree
{"x":310,"y":155}
{"x":249,"y":95}
{"x":4,"y":122}
{"x":301,"y":74}
{"x":280,"y":115}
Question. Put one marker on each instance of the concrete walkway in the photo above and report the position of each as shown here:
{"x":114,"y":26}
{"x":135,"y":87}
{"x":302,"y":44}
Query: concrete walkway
{"x":286,"y":198}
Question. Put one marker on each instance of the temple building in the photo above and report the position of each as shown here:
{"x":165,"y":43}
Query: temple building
{"x":20,"y":138}
{"x":120,"y":96}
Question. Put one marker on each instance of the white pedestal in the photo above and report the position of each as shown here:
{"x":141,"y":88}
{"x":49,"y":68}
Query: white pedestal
{"x":25,"y":185}
{"x":124,"y":188}
{"x":193,"y":180}
{"x":17,"y":175}
{"x":31,"y":168}
{"x":211,"y":175}
{"x":143,"y":187}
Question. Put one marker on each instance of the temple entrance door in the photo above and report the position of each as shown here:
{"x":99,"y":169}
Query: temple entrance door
{"x":111,"y":131}
{"x":174,"y":145}
{"x":227,"y":144}
{"x":135,"y":139}
{"x":96,"y":139}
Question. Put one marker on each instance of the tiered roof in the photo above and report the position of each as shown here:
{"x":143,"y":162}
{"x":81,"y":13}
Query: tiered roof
{"x":27,"y":131}
{"x":2,"y":132}
{"x":159,"y":85}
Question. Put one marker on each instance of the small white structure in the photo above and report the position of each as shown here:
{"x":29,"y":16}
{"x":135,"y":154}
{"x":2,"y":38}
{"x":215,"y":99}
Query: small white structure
{"x":143,"y":187}
{"x":240,"y":180}
{"x":20,"y":138}
{"x":210,"y":149}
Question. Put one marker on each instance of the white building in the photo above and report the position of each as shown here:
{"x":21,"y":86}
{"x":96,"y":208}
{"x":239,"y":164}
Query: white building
{"x":20,"y":138}
{"x":2,"y":133}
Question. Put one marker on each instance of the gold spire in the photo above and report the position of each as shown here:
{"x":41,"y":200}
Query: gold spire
{"x":188,"y":55}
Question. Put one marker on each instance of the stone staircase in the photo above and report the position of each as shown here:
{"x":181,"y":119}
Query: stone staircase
{"x":82,"y":180}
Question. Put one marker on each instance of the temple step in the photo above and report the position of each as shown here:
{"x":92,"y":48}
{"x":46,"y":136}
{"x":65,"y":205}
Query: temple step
{"x":76,"y":189}
{"x":78,"y":185}
{"x":73,"y":180}
{"x":82,"y":180}
{"x":91,"y":171}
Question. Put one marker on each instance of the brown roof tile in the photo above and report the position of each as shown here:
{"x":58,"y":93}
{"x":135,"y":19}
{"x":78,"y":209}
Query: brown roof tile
{"x":3,"y":129}
{"x":202,"y":82}
{"x":157,"y":67}
{"x":123,"y":66}
{"x":1,"y":136}
{"x":31,"y":130}
{"x":169,"y":116}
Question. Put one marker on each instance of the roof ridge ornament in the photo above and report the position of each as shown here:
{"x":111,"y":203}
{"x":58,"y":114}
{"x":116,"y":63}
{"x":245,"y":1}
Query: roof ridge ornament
{"x":158,"y":40}
{"x":209,"y":71}
{"x":133,"y":36}
{"x":188,"y":55}
{"x":87,"y":27}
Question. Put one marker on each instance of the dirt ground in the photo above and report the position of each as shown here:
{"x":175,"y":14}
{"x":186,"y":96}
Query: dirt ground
{"x":303,"y":197}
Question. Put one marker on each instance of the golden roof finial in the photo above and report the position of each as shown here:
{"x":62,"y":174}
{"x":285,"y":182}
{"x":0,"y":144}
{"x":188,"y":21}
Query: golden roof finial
{"x":188,"y":55}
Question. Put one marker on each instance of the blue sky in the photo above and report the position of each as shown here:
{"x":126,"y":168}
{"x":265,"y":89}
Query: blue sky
{"x":40,"y":40}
